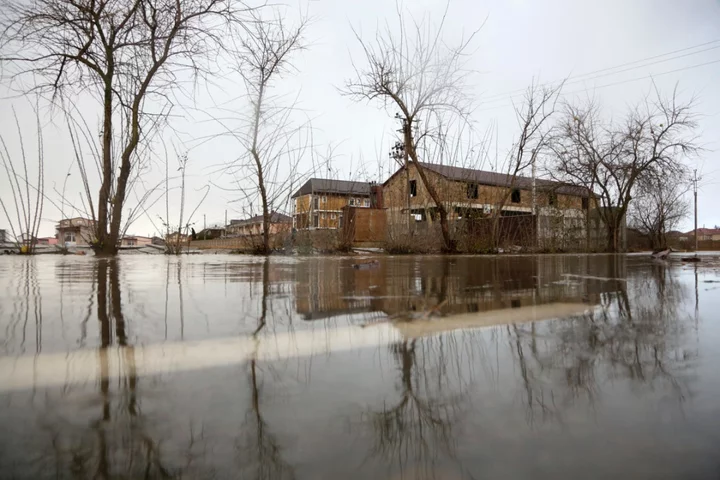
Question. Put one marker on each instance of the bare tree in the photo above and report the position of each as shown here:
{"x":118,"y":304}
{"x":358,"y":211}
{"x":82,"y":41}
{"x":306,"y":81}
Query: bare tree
{"x":611,"y":157}
{"x":272,"y":145}
{"x":660,"y":204}
{"x":410,"y":68}
{"x":131,"y":54}
{"x":533,"y":117}
{"x":27,"y":199}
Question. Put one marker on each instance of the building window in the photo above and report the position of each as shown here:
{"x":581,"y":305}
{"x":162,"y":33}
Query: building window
{"x":324,"y":199}
{"x":366,"y":202}
{"x":552,"y":199}
{"x":316,"y":220}
{"x":316,"y":201}
{"x":585,"y":203}
{"x":472,"y":190}
{"x":413,"y":188}
{"x":323,"y":216}
{"x":69,"y":237}
{"x":352,"y":202}
{"x":332,"y":216}
{"x":515,"y":196}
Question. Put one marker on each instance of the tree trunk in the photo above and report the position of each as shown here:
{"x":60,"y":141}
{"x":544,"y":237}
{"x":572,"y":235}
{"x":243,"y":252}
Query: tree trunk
{"x":107,"y":170}
{"x":449,"y":244}
{"x":113,"y":240}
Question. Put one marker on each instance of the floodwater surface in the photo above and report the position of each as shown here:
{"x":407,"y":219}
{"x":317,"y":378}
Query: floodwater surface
{"x":216,"y":366}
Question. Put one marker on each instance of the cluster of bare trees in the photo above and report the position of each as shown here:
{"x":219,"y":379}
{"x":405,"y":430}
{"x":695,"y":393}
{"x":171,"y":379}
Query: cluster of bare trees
{"x":640,"y":155}
{"x":136,"y":57}
{"x":133,"y":56}
{"x":410,"y":68}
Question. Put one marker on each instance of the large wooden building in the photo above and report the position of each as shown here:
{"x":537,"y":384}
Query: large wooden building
{"x":319,"y":203}
{"x":557,"y":208}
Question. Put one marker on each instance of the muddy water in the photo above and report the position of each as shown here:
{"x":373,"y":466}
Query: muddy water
{"x":413,"y":367}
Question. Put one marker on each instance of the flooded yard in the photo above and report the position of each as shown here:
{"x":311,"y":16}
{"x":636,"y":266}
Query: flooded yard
{"x":216,"y":366}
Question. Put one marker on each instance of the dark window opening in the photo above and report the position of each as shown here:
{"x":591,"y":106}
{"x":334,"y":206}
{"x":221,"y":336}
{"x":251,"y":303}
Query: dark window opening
{"x":515,"y":303}
{"x":515,"y":196}
{"x":552,"y":199}
{"x":585,"y":203}
{"x":316,"y":220}
{"x":472,"y":190}
{"x":413,"y":188}
{"x":317,"y":202}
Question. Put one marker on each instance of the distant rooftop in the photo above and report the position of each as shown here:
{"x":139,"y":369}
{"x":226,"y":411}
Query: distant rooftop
{"x":341,"y":187}
{"x":275,"y":217}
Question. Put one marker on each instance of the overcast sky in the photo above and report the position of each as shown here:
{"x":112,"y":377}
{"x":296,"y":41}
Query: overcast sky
{"x":520,"y":40}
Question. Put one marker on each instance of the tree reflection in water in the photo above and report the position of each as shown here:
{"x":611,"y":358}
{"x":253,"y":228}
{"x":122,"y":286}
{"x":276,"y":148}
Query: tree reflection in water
{"x":259,"y":452}
{"x":118,"y":441}
{"x":634,"y":335}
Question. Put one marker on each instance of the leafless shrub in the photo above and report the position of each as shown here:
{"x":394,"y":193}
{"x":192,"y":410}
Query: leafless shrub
{"x":27,"y":199}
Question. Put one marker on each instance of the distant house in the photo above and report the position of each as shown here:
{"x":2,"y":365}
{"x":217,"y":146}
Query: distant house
{"x":177,"y":238}
{"x":77,"y":231}
{"x":3,"y":236}
{"x":254,"y":226}
{"x":135,"y":241}
{"x":210,"y":233}
{"x":319,"y":202}
{"x":703,"y":234}
{"x":46,"y":241}
{"x":157,"y":241}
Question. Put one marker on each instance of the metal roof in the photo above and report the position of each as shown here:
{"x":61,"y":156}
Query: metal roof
{"x":503,"y":180}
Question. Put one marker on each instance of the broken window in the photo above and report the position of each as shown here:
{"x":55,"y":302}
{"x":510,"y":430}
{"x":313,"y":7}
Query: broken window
{"x":472,"y":190}
{"x":515,"y":196}
{"x":413,"y":188}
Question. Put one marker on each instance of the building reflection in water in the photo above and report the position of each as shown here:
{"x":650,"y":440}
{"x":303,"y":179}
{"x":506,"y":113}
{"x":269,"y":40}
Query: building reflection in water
{"x":447,"y":397}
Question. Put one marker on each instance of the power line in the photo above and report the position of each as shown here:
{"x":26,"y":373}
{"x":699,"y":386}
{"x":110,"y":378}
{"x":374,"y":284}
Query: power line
{"x":598,"y":87}
{"x":577,"y":78}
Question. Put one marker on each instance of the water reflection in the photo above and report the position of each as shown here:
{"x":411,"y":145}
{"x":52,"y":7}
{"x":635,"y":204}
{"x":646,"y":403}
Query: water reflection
{"x":310,"y":397}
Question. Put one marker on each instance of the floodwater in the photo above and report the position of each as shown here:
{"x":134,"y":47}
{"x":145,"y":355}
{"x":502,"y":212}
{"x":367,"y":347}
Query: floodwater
{"x":311,"y":368}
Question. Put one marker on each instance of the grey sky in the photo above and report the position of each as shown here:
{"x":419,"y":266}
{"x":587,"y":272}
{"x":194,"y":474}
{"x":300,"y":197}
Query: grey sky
{"x":520,"y":40}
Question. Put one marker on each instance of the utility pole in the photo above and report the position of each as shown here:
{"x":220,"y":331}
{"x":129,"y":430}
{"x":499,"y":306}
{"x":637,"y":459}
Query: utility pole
{"x":536,"y":218}
{"x":695,"y":190}
{"x":204,"y":224}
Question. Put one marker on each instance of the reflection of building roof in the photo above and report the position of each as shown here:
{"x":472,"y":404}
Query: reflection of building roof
{"x":275,"y":217}
{"x":501,"y":179}
{"x":341,"y":187}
